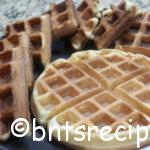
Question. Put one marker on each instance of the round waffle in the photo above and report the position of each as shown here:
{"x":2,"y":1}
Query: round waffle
{"x":95,"y":88}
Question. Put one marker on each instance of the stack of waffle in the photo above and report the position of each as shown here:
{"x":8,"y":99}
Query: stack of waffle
{"x":81,"y":24}
{"x":90,"y":88}
{"x":101,"y":88}
{"x":87,"y":22}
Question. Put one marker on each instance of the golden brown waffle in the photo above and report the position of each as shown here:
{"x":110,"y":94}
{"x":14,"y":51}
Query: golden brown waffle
{"x":64,"y":19}
{"x":39,"y":30}
{"x":85,"y":90}
{"x":136,"y":39}
{"x":21,"y":42}
{"x":13,"y":90}
{"x":114,"y":23}
{"x":88,"y":19}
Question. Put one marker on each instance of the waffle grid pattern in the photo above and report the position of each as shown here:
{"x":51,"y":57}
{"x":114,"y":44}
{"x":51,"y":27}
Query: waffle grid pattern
{"x":67,"y":84}
{"x":39,"y":33}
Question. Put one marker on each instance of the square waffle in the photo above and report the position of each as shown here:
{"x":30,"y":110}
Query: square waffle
{"x":86,"y":89}
{"x":13,"y":90}
{"x":136,"y":39}
{"x":64,"y":19}
{"x":21,"y":42}
{"x":114,"y":23}
{"x":39,"y":30}
{"x":88,"y":19}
